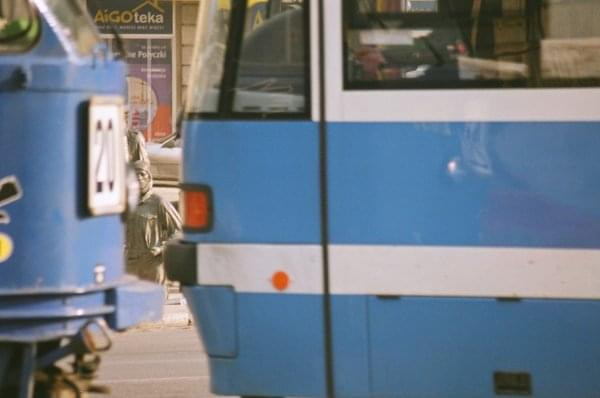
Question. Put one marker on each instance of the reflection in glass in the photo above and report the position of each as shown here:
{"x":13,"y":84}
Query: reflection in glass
{"x":72,"y":24}
{"x":468,"y":43}
{"x":268,"y":76}
{"x":271,"y":70}
{"x":209,"y":55}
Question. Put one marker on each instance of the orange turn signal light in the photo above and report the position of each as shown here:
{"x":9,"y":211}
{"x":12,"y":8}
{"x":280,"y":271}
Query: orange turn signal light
{"x":197,"y":208}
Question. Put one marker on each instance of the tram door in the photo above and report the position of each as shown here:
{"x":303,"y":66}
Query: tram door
{"x":250,"y":137}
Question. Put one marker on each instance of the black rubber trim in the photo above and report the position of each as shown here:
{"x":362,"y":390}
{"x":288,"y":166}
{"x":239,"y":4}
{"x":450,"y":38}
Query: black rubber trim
{"x":233,"y":52}
{"x":323,"y":177}
{"x":259,"y":116}
{"x":180,"y":262}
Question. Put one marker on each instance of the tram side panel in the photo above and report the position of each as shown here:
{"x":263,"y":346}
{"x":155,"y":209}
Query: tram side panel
{"x":461,"y":212}
{"x":462,"y":207}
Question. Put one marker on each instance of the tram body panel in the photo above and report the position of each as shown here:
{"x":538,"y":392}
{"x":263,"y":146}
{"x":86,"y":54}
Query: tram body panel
{"x":262,"y":199}
{"x":456,"y":223}
{"x":463,"y":345}
{"x":485,"y":209}
{"x":262,"y":174}
{"x":464,"y":184}
{"x":50,"y":206}
{"x":290,"y":352}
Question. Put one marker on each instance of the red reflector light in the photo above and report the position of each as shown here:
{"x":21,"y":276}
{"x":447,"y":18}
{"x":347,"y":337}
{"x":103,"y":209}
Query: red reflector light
{"x":280,"y":280}
{"x":197,"y":208}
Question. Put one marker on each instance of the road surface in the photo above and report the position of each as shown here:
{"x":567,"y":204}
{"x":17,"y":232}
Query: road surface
{"x":156,"y":362}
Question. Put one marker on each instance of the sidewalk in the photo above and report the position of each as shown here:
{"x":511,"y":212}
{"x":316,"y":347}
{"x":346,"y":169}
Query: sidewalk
{"x":175,"y":310}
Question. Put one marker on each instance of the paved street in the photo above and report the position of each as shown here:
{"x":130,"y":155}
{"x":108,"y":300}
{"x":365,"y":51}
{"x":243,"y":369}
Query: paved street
{"x":166,"y":361}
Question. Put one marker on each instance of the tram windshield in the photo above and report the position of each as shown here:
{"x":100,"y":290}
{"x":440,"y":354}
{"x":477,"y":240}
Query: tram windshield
{"x":72,"y":24}
{"x":471,"y":43}
{"x":249,"y":58}
{"x":209,"y":55}
{"x":18,"y":25}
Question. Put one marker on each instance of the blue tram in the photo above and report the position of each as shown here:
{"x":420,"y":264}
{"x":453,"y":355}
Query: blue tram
{"x":388,"y":198}
{"x":63,"y":190}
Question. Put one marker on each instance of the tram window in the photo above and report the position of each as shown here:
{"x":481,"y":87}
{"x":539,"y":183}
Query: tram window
{"x":19,"y":26}
{"x":209,"y":56}
{"x":394,"y":44}
{"x":76,"y":28}
{"x":271,"y":74}
{"x":267,"y":76}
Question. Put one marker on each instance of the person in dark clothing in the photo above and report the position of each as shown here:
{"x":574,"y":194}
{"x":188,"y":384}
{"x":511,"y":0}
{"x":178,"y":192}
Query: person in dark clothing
{"x":149,"y":227}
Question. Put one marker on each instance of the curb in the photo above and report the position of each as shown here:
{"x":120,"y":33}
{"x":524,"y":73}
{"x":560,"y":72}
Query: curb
{"x":176,"y":314}
{"x":175,"y":310}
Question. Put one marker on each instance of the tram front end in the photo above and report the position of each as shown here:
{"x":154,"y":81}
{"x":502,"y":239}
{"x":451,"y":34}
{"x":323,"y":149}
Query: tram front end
{"x":63,"y":192}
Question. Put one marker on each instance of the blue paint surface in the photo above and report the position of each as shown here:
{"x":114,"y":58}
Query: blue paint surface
{"x":279,"y":343}
{"x":408,"y":347}
{"x":451,"y":347}
{"x":56,"y":243}
{"x":264,"y":177}
{"x":46,"y":68}
{"x":515,"y":184}
{"x":215,"y":312}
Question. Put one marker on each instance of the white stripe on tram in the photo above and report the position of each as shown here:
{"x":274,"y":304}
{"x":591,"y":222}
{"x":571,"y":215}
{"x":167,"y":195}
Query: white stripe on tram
{"x":474,"y":105}
{"x":251,"y":268}
{"x":465,"y":271}
{"x":405,"y":270}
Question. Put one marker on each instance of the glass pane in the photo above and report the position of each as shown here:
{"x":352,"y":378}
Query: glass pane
{"x":209,"y":54}
{"x":19,"y":27}
{"x":72,"y":24}
{"x":406,"y":5}
{"x":570,"y":47}
{"x":271,"y":75}
{"x":471,"y":43}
